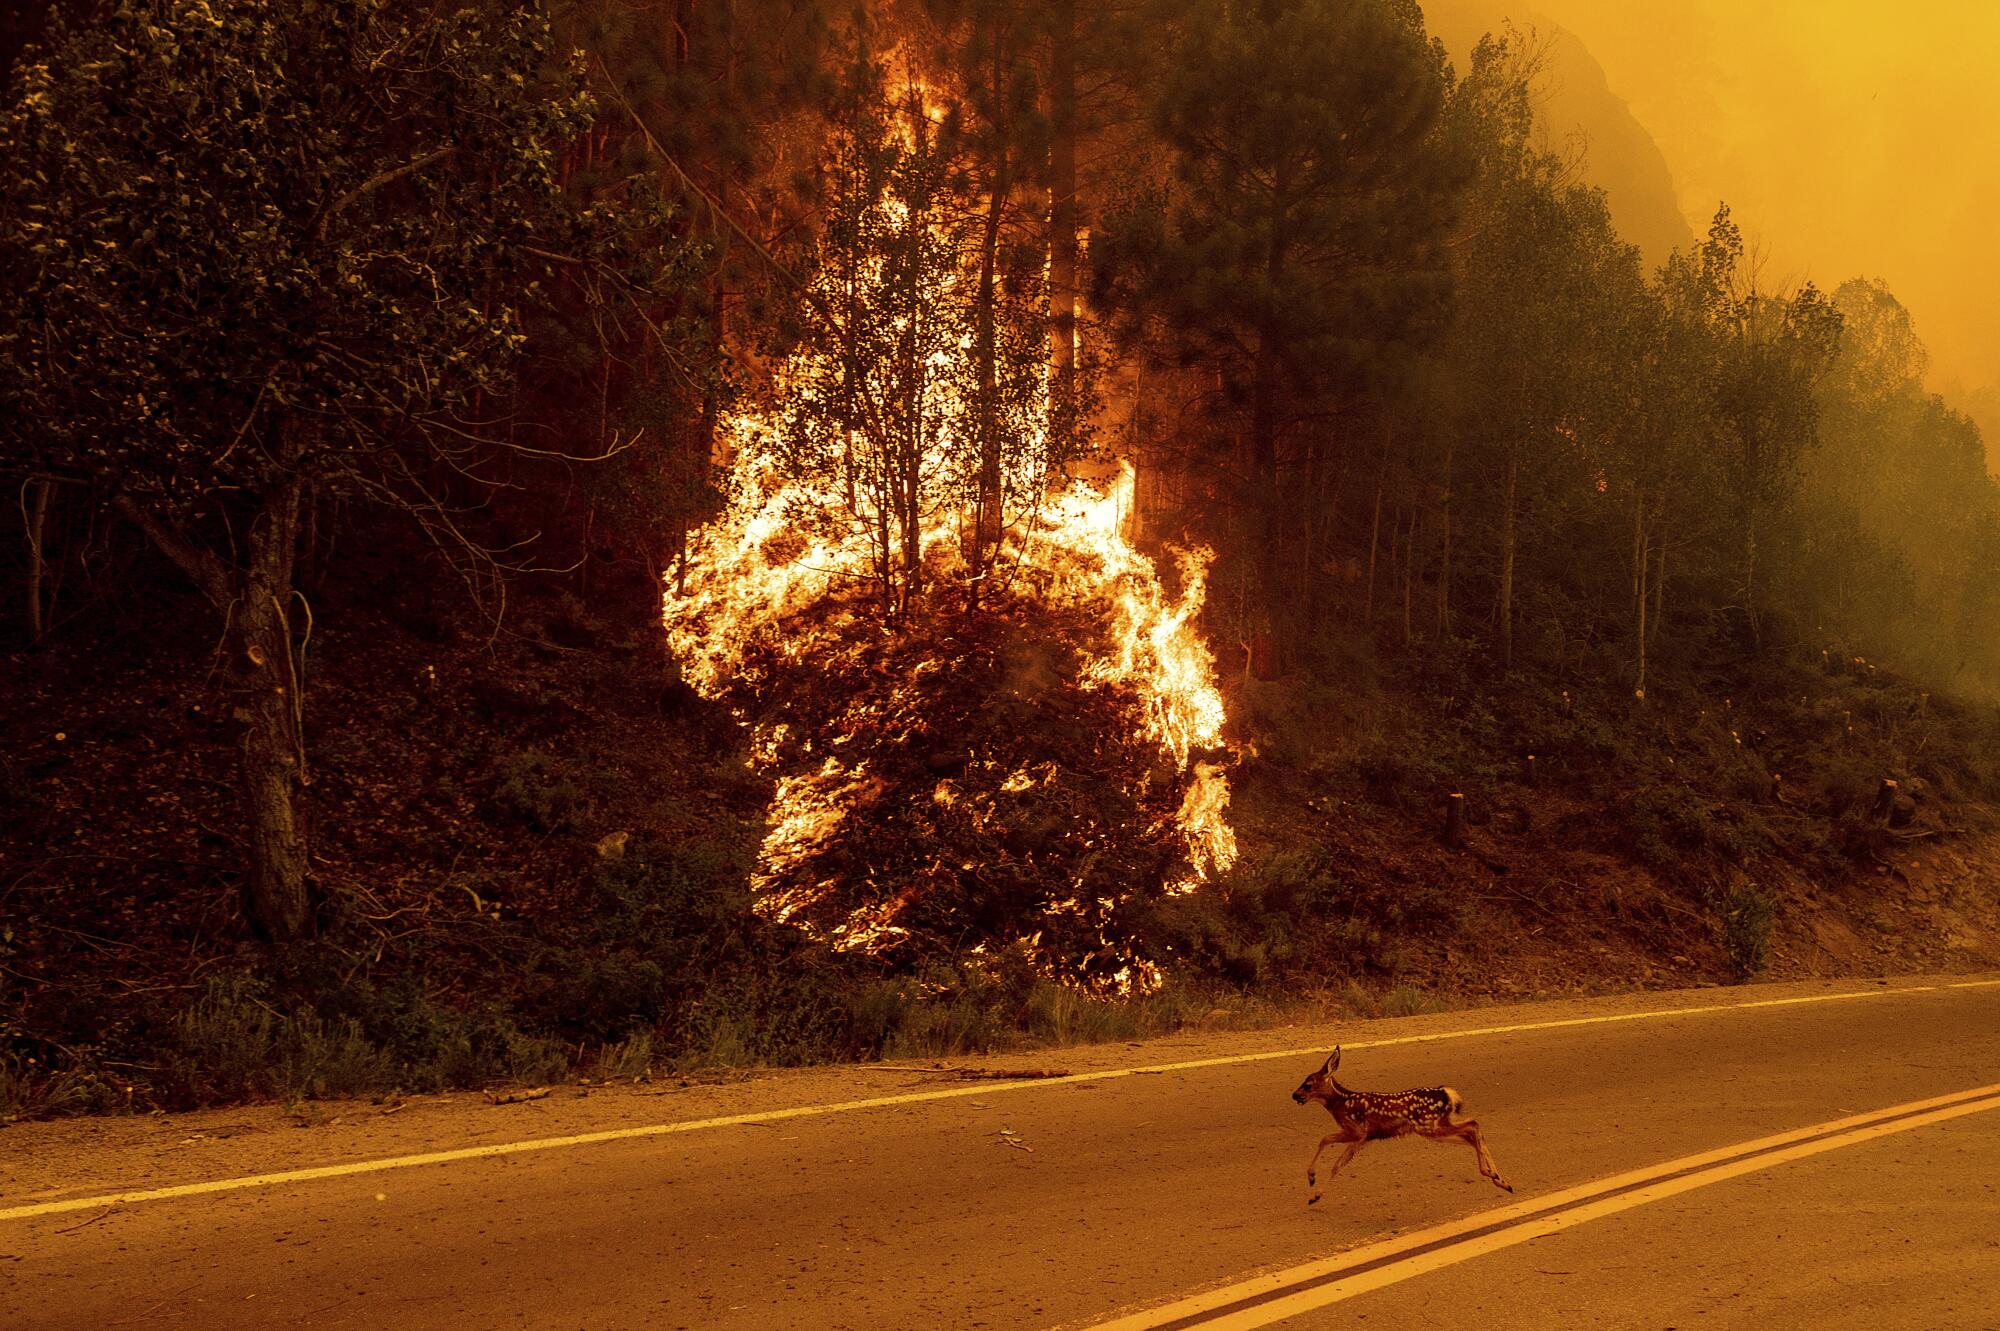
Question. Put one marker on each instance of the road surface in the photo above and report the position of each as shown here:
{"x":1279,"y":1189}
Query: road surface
{"x":1823,"y":1155}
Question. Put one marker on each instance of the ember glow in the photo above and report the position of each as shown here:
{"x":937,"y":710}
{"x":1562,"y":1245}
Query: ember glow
{"x":752,"y":575}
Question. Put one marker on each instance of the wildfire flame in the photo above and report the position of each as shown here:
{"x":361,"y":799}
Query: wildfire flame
{"x":1159,"y":651}
{"x":750,"y":570}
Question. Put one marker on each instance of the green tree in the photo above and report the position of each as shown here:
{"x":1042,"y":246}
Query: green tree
{"x":871,"y":406}
{"x":1898,"y":521}
{"x":267,"y":258}
{"x":1536,"y":358}
{"x":985,"y":47}
{"x":1772,"y":351}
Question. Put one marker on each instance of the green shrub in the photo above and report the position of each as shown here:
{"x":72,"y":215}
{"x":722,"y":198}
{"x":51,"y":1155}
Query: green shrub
{"x":1401,"y":1000}
{"x":1666,"y":824}
{"x":232,"y":1043}
{"x":1746,"y":927}
{"x":30,"y":1089}
{"x":630,"y":1059}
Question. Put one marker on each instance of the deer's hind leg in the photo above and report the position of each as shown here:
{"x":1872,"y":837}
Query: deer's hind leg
{"x":1468,"y":1132}
{"x":1355,"y":1141}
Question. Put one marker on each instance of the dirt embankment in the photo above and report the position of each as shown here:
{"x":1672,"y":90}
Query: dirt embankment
{"x":536,"y":857}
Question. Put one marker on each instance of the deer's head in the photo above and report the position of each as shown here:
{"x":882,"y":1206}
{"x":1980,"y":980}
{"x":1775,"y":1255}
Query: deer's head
{"x":1320,"y":1085}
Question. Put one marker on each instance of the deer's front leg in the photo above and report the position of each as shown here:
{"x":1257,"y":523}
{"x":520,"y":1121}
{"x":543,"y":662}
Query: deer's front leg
{"x":1354,"y":1143}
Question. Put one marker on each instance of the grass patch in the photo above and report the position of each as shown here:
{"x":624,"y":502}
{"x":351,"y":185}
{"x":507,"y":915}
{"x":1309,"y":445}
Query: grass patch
{"x":533,"y":788}
{"x":1358,"y":999}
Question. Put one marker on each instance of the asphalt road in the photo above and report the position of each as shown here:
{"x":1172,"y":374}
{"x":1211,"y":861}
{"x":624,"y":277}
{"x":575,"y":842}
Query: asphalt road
{"x":1077,"y":1202}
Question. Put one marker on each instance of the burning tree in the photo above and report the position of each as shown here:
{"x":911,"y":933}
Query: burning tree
{"x":1018,"y":768}
{"x":915,"y":392}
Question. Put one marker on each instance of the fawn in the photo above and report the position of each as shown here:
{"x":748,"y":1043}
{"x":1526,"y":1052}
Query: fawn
{"x":1366,"y":1116}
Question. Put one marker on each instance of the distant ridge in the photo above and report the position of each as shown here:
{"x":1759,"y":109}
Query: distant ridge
{"x":1577,"y":106}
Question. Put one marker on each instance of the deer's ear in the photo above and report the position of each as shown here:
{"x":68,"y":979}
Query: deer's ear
{"x":1332,"y":1062}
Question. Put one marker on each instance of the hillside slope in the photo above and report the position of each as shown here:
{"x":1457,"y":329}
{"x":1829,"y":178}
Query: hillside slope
{"x":535,"y":854}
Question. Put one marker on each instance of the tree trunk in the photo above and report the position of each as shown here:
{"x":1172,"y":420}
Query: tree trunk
{"x":269,"y":680}
{"x":984,"y":351}
{"x":1375,"y":524}
{"x":1750,"y":583}
{"x":36,"y":513}
{"x":1638,"y":545}
{"x":255,"y":601}
{"x":1454,"y":820}
{"x":1322,"y":486}
{"x":1264,"y":468}
{"x":1639,"y":688}
{"x":1264,"y":413}
{"x":1062,"y":200}
{"x":1660,"y":589}
{"x":1640,"y":557}
{"x":1504,"y":611}
{"x":1444,"y":563}
{"x":1409,"y":573}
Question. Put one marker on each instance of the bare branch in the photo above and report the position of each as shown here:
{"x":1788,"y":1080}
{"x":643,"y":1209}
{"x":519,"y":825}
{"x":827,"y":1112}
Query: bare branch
{"x":374,"y":183}
{"x":208,"y":573}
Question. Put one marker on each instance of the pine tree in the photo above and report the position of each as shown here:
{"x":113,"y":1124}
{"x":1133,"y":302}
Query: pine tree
{"x":1300,"y":241}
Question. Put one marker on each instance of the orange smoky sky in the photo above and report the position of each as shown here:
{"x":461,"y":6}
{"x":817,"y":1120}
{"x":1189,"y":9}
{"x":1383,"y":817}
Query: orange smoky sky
{"x":1852,"y":138}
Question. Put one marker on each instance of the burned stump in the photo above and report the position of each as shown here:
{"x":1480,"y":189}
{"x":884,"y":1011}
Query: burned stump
{"x":1454,"y":820}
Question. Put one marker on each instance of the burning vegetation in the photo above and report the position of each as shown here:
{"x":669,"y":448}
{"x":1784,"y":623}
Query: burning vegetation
{"x":990,"y":721}
{"x":1016,"y":768}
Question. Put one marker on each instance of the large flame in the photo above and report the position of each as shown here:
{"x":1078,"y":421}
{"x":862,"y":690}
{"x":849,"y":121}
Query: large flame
{"x":1158,"y":650}
{"x":775,"y":576}
{"x":750,"y":573}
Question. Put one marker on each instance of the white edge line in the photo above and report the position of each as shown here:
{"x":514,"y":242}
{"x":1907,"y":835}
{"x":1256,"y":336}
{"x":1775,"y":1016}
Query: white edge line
{"x":353,"y":1167}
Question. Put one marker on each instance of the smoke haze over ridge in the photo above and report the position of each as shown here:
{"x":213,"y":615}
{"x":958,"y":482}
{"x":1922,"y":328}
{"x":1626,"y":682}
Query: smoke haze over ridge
{"x":1850,"y":139}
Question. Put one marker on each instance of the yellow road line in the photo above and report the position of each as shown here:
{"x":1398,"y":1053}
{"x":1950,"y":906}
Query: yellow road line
{"x":908,"y":1098}
{"x":1395,"y":1260}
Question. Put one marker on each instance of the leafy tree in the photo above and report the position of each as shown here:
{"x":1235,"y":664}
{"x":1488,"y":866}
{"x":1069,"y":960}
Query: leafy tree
{"x":918,"y":387}
{"x":871,"y":401}
{"x":1660,"y":461}
{"x":1772,"y":351}
{"x":268,"y":258}
{"x":985,"y":48}
{"x":1545,"y":283}
{"x":1899,"y":523}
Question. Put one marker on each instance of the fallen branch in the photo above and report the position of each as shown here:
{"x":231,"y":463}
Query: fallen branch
{"x":93,"y":1220}
{"x":517,"y":1097}
{"x":1003,"y":1074}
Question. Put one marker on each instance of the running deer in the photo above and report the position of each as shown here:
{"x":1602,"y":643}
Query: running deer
{"x":1366,"y":1116}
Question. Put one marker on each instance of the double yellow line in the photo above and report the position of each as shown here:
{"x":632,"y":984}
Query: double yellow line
{"x":1269,"y":1299}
